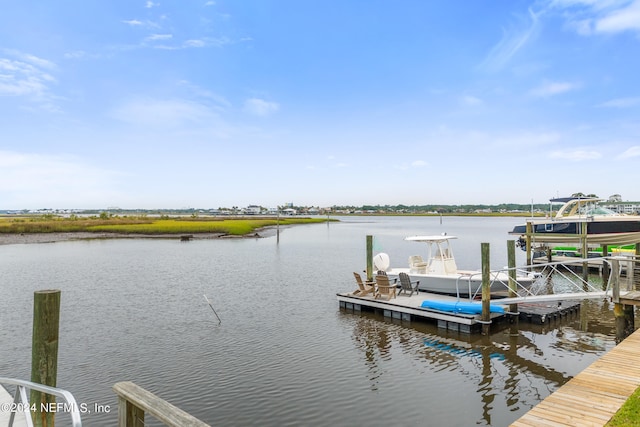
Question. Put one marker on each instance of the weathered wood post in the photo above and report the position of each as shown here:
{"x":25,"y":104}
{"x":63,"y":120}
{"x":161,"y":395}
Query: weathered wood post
{"x":369,"y":258}
{"x":529,"y":231}
{"x":605,"y":266}
{"x":486,"y":289}
{"x":44,"y":353}
{"x":134,"y":402}
{"x":513,"y":283}
{"x":623,"y":313}
{"x":636,"y":269}
{"x":585,"y":253}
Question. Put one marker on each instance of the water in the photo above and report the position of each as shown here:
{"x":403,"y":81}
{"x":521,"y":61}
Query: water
{"x":284,"y":354}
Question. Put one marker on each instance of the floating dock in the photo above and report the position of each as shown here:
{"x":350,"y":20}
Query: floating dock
{"x":408,"y":308}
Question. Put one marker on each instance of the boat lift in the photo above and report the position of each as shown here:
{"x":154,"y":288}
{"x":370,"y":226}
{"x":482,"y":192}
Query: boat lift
{"x":559,"y":280}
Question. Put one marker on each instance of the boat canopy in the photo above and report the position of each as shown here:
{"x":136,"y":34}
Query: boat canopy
{"x":430,"y":239}
{"x":570,"y":199}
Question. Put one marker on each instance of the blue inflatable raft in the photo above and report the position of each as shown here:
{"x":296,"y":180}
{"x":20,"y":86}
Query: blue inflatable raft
{"x":460,"y":307}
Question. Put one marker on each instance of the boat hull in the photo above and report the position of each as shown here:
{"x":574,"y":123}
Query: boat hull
{"x":461,"y":283}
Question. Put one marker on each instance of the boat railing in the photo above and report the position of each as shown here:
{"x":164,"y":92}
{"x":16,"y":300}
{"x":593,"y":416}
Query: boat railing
{"x":21,"y":401}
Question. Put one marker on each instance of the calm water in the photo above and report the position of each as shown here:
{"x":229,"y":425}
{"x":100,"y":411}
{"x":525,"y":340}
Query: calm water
{"x":285,"y":354}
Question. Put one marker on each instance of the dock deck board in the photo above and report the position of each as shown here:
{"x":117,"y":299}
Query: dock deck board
{"x":594,"y":395}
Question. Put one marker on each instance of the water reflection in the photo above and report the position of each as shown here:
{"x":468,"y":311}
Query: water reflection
{"x":512,"y":372}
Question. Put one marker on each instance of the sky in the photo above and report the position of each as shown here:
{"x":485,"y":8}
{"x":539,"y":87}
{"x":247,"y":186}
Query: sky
{"x":220,"y":103}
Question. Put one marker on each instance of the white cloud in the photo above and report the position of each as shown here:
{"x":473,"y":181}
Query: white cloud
{"x":576,"y":155}
{"x":624,"y":19}
{"x":553,"y":88}
{"x":143,"y":24}
{"x":260,"y":107}
{"x":525,"y":139}
{"x":76,"y":54}
{"x":589,"y":17}
{"x":621,"y":103}
{"x":630,"y":152}
{"x":471,"y":101}
{"x":151,"y":4}
{"x":27,"y":76}
{"x":220,"y":101}
{"x":133,"y":22}
{"x":513,"y":40}
{"x":154,"y":37}
{"x":418,"y":164}
{"x":162,"y":113}
{"x":52,"y":181}
{"x":195,"y":43}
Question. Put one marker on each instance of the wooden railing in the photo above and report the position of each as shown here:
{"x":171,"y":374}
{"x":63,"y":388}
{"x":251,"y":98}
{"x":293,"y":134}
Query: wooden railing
{"x":134,"y":401}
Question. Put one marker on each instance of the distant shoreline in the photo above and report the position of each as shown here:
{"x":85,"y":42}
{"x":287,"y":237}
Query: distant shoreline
{"x":30,"y":238}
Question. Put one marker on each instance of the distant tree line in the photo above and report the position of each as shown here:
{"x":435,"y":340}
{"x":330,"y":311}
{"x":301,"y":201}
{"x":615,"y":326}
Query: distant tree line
{"x":502,"y":207}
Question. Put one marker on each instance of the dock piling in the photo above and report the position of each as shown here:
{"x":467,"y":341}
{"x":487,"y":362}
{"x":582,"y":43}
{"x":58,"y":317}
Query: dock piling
{"x":513,"y":283}
{"x":44,"y":353}
{"x":486,"y":289}
{"x":623,"y":313}
{"x":369,"y":258}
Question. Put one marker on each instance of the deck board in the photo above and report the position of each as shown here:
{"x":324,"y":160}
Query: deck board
{"x":593,"y":396}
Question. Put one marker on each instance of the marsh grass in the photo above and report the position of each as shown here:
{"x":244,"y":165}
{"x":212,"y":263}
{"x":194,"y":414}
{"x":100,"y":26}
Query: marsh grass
{"x":628,"y":414}
{"x":144,"y":225}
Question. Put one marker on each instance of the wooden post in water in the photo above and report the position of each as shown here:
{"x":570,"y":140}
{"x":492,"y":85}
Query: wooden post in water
{"x":529,"y":232}
{"x":369,"y":258}
{"x":486,"y":289}
{"x":44,"y":353}
{"x":513,"y":283}
{"x":636,"y":269}
{"x":623,"y":313}
{"x":585,"y":253}
{"x":605,"y":266}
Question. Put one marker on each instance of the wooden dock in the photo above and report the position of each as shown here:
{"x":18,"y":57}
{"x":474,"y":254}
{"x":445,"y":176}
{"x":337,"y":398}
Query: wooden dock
{"x":593,"y":396}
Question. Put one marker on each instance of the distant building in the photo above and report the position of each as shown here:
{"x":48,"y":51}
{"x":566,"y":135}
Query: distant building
{"x":630,"y":208}
{"x":253,"y":210}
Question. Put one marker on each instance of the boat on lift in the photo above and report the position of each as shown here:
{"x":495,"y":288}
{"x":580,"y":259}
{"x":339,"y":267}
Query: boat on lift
{"x":580,"y":218}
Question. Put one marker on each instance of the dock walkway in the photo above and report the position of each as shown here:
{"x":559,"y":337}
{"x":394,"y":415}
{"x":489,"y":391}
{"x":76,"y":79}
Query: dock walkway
{"x":593,"y":396}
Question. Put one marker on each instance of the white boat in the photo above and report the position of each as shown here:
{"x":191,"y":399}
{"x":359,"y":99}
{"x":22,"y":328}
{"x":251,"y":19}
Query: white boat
{"x":439,"y":273}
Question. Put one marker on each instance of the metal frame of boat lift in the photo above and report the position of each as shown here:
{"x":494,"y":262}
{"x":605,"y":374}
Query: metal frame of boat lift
{"x":576,"y":283}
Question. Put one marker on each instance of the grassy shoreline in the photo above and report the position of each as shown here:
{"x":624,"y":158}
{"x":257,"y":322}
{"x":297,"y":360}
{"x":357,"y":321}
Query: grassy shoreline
{"x":147,"y":226}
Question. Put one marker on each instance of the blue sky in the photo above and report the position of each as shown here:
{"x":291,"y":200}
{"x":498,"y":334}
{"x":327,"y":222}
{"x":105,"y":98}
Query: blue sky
{"x":206,"y":104}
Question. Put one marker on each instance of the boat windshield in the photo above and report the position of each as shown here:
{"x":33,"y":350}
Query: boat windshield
{"x":598,"y":210}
